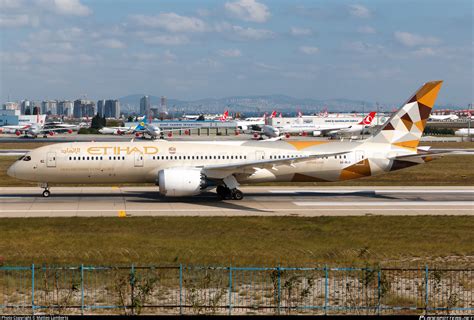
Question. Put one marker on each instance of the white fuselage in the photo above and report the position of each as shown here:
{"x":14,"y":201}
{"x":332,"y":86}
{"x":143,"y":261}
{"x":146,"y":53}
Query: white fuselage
{"x":131,"y":162}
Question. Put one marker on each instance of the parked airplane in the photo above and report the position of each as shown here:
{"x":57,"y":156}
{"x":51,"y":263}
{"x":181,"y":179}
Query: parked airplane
{"x":444,"y":117}
{"x":116,"y":130}
{"x":146,"y":127}
{"x":188,"y":168}
{"x":39,"y":128}
{"x":23,"y":125}
{"x":318,"y":130}
{"x":465,"y":132}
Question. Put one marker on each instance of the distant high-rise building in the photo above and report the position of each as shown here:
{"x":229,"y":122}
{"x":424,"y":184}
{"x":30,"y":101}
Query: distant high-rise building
{"x":83,"y":108}
{"x":49,"y":107}
{"x":65,"y":108}
{"x":145,"y":105}
{"x":25,"y":105}
{"x":10,"y":106}
{"x":164,"y":105}
{"x":101,"y":107}
{"x":112,"y":109}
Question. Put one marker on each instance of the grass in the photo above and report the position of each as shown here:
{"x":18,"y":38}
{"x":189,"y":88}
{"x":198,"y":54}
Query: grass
{"x":240,"y":241}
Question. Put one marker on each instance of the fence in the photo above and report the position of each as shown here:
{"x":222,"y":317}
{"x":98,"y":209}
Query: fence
{"x":234,"y":290}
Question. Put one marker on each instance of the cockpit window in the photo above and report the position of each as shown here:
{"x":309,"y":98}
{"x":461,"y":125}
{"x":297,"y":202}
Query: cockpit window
{"x":21,"y":158}
{"x":27,"y":158}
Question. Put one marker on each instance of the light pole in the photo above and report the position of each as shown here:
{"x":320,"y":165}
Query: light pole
{"x":469,"y":106}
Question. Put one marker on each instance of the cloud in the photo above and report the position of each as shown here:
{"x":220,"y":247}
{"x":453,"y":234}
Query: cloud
{"x":308,"y":50}
{"x":248,"y":10}
{"x":295,"y":31}
{"x":171,"y":22}
{"x":366,"y":30}
{"x":267,"y":67}
{"x":230,"y":53}
{"x":425,"y":51}
{"x":113,"y":44}
{"x":17,"y":21}
{"x":412,"y":40}
{"x":252,"y":34}
{"x":167,"y":40}
{"x":359,"y":11}
{"x":10,"y":4}
{"x":53,"y":57}
{"x":65,"y":7}
{"x":14,"y":58}
{"x":365,"y":48}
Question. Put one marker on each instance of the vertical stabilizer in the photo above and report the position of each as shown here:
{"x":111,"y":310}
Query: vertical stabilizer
{"x":406,"y":126}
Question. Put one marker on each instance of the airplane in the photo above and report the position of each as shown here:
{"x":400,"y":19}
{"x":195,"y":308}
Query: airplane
{"x":465,"y":132}
{"x":444,"y":117}
{"x":38,"y":128}
{"x":116,"y":130}
{"x":147,"y":128}
{"x":188,"y":168}
{"x":335,"y":129}
{"x":22,"y":125}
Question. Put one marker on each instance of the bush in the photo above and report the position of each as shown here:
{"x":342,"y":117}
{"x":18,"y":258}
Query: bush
{"x":88,"y":131}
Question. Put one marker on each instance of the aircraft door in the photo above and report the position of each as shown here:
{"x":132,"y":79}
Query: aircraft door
{"x":259,"y":155}
{"x":51,"y":159}
{"x":359,"y":156}
{"x":138,"y":159}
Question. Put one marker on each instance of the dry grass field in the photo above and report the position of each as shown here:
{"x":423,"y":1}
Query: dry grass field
{"x":246,"y":241}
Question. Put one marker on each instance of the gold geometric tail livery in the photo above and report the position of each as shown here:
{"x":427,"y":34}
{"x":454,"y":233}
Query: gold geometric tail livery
{"x":405,"y":127}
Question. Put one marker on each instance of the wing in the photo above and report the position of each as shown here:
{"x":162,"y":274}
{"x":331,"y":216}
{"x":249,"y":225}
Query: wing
{"x":221,"y":171}
{"x":433,"y":153}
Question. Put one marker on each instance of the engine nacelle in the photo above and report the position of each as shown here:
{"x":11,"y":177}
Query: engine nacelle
{"x":316,"y":133}
{"x":181,"y":182}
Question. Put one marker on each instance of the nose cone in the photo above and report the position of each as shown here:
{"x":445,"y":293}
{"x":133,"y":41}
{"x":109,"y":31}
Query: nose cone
{"x":11,"y":170}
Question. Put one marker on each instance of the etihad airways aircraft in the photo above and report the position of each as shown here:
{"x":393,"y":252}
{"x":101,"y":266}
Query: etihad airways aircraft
{"x":188,"y":168}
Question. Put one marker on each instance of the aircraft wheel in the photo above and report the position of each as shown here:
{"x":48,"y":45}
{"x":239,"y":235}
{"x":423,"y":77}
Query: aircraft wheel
{"x":223,"y":192}
{"x":46,"y":193}
{"x":237,"y":194}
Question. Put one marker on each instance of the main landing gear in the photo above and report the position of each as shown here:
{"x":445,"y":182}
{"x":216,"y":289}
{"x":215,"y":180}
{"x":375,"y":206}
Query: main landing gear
{"x":46,"y":192}
{"x":225,"y":193}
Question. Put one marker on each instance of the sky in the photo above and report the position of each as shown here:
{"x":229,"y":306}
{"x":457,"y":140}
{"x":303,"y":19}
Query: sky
{"x":366,"y":50}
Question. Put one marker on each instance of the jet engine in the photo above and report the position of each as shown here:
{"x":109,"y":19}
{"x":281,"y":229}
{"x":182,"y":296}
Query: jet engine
{"x":180,"y":182}
{"x":316,"y":133}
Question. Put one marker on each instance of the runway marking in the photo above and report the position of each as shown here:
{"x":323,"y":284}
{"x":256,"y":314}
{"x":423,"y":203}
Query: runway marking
{"x":370,"y":190}
{"x":226,"y":210}
{"x":379,"y":203}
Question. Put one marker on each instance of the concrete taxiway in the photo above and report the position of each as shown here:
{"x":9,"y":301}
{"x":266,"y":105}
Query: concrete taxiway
{"x":258,"y":201}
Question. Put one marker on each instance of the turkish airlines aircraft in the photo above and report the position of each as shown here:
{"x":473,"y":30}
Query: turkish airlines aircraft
{"x":187,"y":168}
{"x":444,"y":117}
{"x":318,"y":130}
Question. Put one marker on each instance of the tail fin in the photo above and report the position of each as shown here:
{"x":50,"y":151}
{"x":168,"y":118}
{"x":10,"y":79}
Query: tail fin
{"x":405,"y":127}
{"x":368,"y":118}
{"x":224,"y":115}
{"x":274,"y":114}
